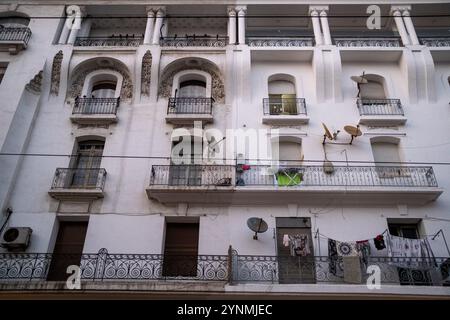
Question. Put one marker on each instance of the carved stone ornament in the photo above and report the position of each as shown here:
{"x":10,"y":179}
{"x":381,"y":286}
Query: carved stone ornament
{"x":79,"y":75}
{"x":217,"y":90}
{"x":35,"y":84}
{"x":146,"y":74}
{"x":56,"y":73}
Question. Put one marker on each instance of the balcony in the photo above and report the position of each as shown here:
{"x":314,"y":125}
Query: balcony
{"x":113,"y":41}
{"x":153,"y":272}
{"x":280,"y":42}
{"x":14,"y":40}
{"x":78,"y":184}
{"x":380,"y":112}
{"x":194,"y":41}
{"x":265,"y":184}
{"x":369,"y":42}
{"x":436,"y":42}
{"x":187,"y":110}
{"x":90,"y":111}
{"x":316,"y":270}
{"x":284,"y":111}
{"x":191,"y":183}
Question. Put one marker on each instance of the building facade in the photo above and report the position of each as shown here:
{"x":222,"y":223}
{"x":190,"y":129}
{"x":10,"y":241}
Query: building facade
{"x":225,"y":148}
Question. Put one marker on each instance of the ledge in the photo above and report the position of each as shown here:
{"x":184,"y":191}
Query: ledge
{"x":302,"y":194}
{"x":76,"y":194}
{"x":285,"y":119}
{"x":93,"y":118}
{"x":13,"y":47}
{"x":189,"y":118}
{"x":382,"y":120}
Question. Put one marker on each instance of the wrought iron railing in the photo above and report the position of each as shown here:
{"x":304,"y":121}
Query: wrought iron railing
{"x":124,"y":41}
{"x":280,"y":41}
{"x":105,"y":266}
{"x":192,"y":175}
{"x":194,"y":41}
{"x":382,"y":42}
{"x":375,"y":176}
{"x":73,"y":178}
{"x":187,"y":105}
{"x":380,"y":107}
{"x":437,"y":41}
{"x":323,"y":269}
{"x":95,"y":105}
{"x":15,"y":34}
{"x":284,"y":106}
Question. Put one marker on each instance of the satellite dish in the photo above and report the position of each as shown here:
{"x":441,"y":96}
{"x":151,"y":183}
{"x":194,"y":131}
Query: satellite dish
{"x":257,"y":225}
{"x":327,"y":133}
{"x":359,"y":79}
{"x":353,"y":131}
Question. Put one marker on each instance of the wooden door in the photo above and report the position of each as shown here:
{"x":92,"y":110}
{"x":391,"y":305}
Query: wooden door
{"x":181,"y":250}
{"x":86,"y":168}
{"x":68,"y":249}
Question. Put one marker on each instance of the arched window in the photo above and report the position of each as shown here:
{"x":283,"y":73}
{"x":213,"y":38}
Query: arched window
{"x":192,"y":84}
{"x":374,"y":88}
{"x":14,"y":22}
{"x":387,"y":157}
{"x":282,"y":94}
{"x":192,"y":88}
{"x":104,"y":89}
{"x":288,"y":149}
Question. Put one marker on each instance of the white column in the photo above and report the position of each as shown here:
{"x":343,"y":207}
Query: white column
{"x":325,"y":27}
{"x":231,"y":26}
{"x":410,"y":27}
{"x":401,"y":27}
{"x":316,"y":27}
{"x":64,"y":32}
{"x":75,"y":28}
{"x":158,"y":25}
{"x":87,"y":25}
{"x":149,"y":27}
{"x":241,"y":25}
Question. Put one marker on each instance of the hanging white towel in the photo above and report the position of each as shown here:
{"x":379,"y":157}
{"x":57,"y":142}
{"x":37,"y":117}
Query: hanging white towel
{"x":286,"y":240}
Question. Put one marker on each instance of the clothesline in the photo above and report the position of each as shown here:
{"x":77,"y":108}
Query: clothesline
{"x":317,"y":233}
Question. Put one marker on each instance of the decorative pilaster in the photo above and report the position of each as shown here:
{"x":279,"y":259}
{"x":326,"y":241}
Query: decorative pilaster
{"x":232,"y":25}
{"x":410,"y":27}
{"x":325,"y":26}
{"x":56,"y":73}
{"x":146,"y":73}
{"x":400,"y":26}
{"x":35,"y":84}
{"x":158,"y":25}
{"x":149,"y":27}
{"x":316,"y":26}
{"x":76,"y":26}
{"x":242,"y":11}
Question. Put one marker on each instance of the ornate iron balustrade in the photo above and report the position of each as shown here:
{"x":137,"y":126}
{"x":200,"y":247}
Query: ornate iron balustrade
{"x":104,"y":266}
{"x":374,"y":176}
{"x":192,"y":175}
{"x":8,"y":34}
{"x":187,"y":105}
{"x":130,"y":41}
{"x":197,"y":41}
{"x":382,"y":42}
{"x":284,"y":106}
{"x":322,"y":269}
{"x":380,"y":107}
{"x":73,"y":178}
{"x":96,"y":105}
{"x":436,"y":41}
{"x":280,"y":41}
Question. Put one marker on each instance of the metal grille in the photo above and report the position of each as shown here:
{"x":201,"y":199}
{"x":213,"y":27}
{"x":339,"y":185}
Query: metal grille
{"x":79,"y":178}
{"x":15,"y":34}
{"x":125,"y":41}
{"x":192,"y":175}
{"x":284,"y":106}
{"x":95,"y":105}
{"x":194,"y":41}
{"x":189,"y":105}
{"x":380,"y":107}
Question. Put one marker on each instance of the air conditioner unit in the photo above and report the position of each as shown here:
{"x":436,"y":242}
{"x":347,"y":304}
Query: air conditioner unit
{"x":16,"y":238}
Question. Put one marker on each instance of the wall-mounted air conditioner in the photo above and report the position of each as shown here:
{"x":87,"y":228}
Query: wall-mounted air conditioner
{"x":16,"y":238}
